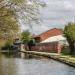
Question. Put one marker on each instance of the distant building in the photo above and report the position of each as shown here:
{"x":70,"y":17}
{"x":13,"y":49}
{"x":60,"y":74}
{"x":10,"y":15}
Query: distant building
{"x":53,"y":35}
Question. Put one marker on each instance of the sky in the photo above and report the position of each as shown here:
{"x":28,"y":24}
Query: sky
{"x":56,"y":14}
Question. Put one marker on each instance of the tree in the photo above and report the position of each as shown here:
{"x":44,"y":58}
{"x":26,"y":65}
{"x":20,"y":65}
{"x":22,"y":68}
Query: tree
{"x":25,"y":36}
{"x":69,"y":32}
{"x":13,"y":10}
{"x":26,"y":10}
{"x":8,"y":23}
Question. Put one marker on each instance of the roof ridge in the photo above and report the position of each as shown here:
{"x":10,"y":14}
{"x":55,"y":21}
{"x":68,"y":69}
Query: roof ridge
{"x":47,"y":31}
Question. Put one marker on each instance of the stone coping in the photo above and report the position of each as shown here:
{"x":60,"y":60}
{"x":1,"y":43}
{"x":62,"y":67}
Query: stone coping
{"x":59,"y":57}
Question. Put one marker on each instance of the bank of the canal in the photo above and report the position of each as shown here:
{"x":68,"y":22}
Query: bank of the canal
{"x":59,"y":57}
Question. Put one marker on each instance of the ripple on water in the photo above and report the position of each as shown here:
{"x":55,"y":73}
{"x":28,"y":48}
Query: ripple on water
{"x":17,"y":66}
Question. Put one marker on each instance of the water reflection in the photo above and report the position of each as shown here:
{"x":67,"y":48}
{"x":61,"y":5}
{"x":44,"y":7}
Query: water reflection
{"x":15,"y":54}
{"x":18,"y":66}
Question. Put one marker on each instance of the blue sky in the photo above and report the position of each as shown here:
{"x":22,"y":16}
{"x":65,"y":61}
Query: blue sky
{"x":56,"y":14}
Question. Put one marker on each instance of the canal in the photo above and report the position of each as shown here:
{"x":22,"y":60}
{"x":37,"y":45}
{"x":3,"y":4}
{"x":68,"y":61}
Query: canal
{"x":12,"y":65}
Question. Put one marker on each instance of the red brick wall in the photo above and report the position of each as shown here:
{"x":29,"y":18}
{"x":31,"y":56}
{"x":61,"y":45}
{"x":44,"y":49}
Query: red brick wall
{"x":53,"y":48}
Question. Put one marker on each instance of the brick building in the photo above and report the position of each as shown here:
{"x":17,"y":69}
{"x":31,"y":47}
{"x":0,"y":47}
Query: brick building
{"x":46,"y":39}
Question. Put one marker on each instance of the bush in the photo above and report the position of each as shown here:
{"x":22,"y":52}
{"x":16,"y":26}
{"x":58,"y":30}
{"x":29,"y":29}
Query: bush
{"x":65,"y":50}
{"x":8,"y":45}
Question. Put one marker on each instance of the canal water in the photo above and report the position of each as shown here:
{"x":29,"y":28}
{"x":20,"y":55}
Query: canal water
{"x":11,"y":65}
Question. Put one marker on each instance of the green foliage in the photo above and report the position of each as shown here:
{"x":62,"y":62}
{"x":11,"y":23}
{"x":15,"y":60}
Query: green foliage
{"x":8,"y":44}
{"x":31,"y":42}
{"x":29,"y":10}
{"x":69,"y":32}
{"x":8,"y":23}
{"x":65,"y":50}
{"x":25,"y":36}
{"x":17,"y":1}
{"x":25,"y":2}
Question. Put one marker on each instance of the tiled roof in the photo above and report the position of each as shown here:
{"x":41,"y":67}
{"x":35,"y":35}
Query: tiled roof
{"x":50,"y":33}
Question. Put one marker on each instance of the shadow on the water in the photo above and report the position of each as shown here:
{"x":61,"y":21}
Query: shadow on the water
{"x":17,"y":54}
{"x":9,"y":54}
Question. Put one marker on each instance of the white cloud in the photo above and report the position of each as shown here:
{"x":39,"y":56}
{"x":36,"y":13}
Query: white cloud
{"x":68,"y":5}
{"x":56,"y":14}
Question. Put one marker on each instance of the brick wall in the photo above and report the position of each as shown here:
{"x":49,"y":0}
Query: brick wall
{"x":47,"y":47}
